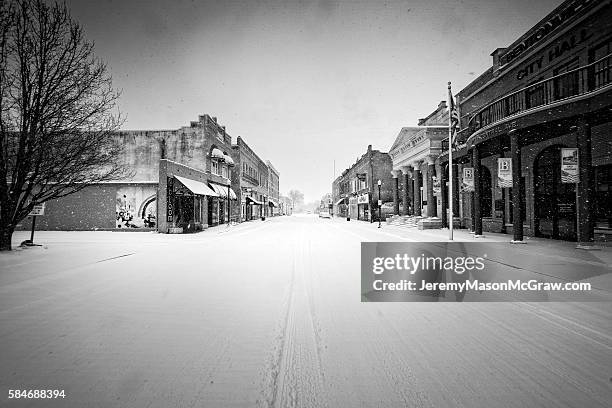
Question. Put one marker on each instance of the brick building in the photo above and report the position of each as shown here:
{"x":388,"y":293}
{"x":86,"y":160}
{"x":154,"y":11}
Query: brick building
{"x":545,"y":107}
{"x":273,"y":190}
{"x":182,"y":180}
{"x":252,"y":179}
{"x":355,"y":192}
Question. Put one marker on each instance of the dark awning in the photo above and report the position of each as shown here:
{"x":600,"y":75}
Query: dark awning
{"x":253,"y":201}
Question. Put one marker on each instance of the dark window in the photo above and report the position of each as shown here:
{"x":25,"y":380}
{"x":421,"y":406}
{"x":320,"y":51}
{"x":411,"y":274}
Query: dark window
{"x":602,"y":67}
{"x":566,"y":84}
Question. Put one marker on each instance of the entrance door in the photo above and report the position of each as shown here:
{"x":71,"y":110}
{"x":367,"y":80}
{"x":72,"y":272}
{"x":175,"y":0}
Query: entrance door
{"x":555,"y":202}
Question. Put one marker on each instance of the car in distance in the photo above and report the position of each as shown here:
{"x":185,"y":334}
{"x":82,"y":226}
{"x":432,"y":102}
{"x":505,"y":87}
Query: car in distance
{"x":324,"y":213}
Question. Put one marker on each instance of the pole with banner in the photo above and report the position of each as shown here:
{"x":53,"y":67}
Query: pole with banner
{"x":453,"y":123}
{"x":570,"y":174}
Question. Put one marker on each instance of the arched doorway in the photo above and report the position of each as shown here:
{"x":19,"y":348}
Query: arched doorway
{"x":554,"y":202}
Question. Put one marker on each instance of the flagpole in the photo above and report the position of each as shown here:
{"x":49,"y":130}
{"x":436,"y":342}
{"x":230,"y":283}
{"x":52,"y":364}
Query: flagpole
{"x":450,"y":168}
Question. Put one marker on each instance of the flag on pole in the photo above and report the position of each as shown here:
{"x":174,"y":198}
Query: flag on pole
{"x":453,"y":124}
{"x":454,"y":118}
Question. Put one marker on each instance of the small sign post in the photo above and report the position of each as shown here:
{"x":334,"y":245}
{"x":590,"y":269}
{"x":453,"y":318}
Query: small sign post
{"x":38,"y":209}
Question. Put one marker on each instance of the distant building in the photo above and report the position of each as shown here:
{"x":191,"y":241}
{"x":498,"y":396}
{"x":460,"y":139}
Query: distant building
{"x":252,"y":179}
{"x":355,"y":192}
{"x":273,"y":190}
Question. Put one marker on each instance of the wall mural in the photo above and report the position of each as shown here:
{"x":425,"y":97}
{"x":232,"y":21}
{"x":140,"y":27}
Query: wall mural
{"x":136,"y":207}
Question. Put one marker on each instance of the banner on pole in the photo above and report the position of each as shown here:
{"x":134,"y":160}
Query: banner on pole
{"x":467,"y":183}
{"x":569,"y":165}
{"x":504,"y":172}
{"x":38,"y":210}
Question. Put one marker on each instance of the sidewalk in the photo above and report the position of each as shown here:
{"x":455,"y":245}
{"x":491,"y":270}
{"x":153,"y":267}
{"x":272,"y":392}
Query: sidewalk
{"x":547,"y":257}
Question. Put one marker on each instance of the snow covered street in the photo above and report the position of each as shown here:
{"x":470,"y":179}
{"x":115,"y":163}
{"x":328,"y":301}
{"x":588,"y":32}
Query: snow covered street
{"x":269,"y":314}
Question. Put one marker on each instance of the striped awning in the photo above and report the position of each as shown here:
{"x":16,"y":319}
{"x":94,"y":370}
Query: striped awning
{"x":221,"y":190}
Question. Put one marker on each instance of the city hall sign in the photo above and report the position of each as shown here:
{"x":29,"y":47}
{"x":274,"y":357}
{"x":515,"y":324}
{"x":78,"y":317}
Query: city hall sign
{"x":543,"y":30}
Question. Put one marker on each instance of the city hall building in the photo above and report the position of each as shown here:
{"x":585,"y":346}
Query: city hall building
{"x":536,"y":132}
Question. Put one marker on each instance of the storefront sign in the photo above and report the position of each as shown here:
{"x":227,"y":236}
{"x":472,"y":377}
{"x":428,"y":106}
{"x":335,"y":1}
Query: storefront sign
{"x":38,"y":209}
{"x":169,"y":199}
{"x":504,"y":172}
{"x":467,"y":184}
{"x":363,"y":198}
{"x":569,"y":165}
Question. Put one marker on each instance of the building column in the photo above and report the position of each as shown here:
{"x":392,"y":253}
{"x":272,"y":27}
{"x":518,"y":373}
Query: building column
{"x":517,"y":190}
{"x":443,"y":196}
{"x":584,"y":197}
{"x":395,"y":174}
{"x":405,"y":196}
{"x":417,"y":190}
{"x":477,"y":191}
{"x":432,"y":210}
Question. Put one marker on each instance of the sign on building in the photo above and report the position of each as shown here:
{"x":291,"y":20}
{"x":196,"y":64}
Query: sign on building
{"x":569,"y":165}
{"x":437,"y":187}
{"x":504,"y":172}
{"x":38,"y":209}
{"x":363,"y":198}
{"x":467,"y":184}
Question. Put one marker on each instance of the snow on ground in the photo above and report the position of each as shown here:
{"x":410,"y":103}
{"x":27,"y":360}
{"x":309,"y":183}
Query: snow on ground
{"x":269,"y":314}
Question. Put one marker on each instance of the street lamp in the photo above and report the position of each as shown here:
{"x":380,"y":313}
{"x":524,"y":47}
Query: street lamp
{"x":379,"y":203}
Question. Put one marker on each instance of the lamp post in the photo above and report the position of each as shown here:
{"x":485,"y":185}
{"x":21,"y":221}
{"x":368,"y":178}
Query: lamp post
{"x":379,"y":204}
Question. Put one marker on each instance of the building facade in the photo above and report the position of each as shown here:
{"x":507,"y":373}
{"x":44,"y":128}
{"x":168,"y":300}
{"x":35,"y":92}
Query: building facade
{"x":253,"y":181}
{"x":536,"y":131}
{"x":416,"y":188}
{"x":182,"y":180}
{"x":355,"y":194}
{"x":273,"y":190}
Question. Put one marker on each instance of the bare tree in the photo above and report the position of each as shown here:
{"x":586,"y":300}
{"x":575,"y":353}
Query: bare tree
{"x":296,"y":197}
{"x":57,"y":111}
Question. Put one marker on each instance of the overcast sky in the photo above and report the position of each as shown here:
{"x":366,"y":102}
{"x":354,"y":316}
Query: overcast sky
{"x":303,"y":82}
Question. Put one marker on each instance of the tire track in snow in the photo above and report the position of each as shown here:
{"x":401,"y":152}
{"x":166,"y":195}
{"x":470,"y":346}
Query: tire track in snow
{"x":296,"y":376}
